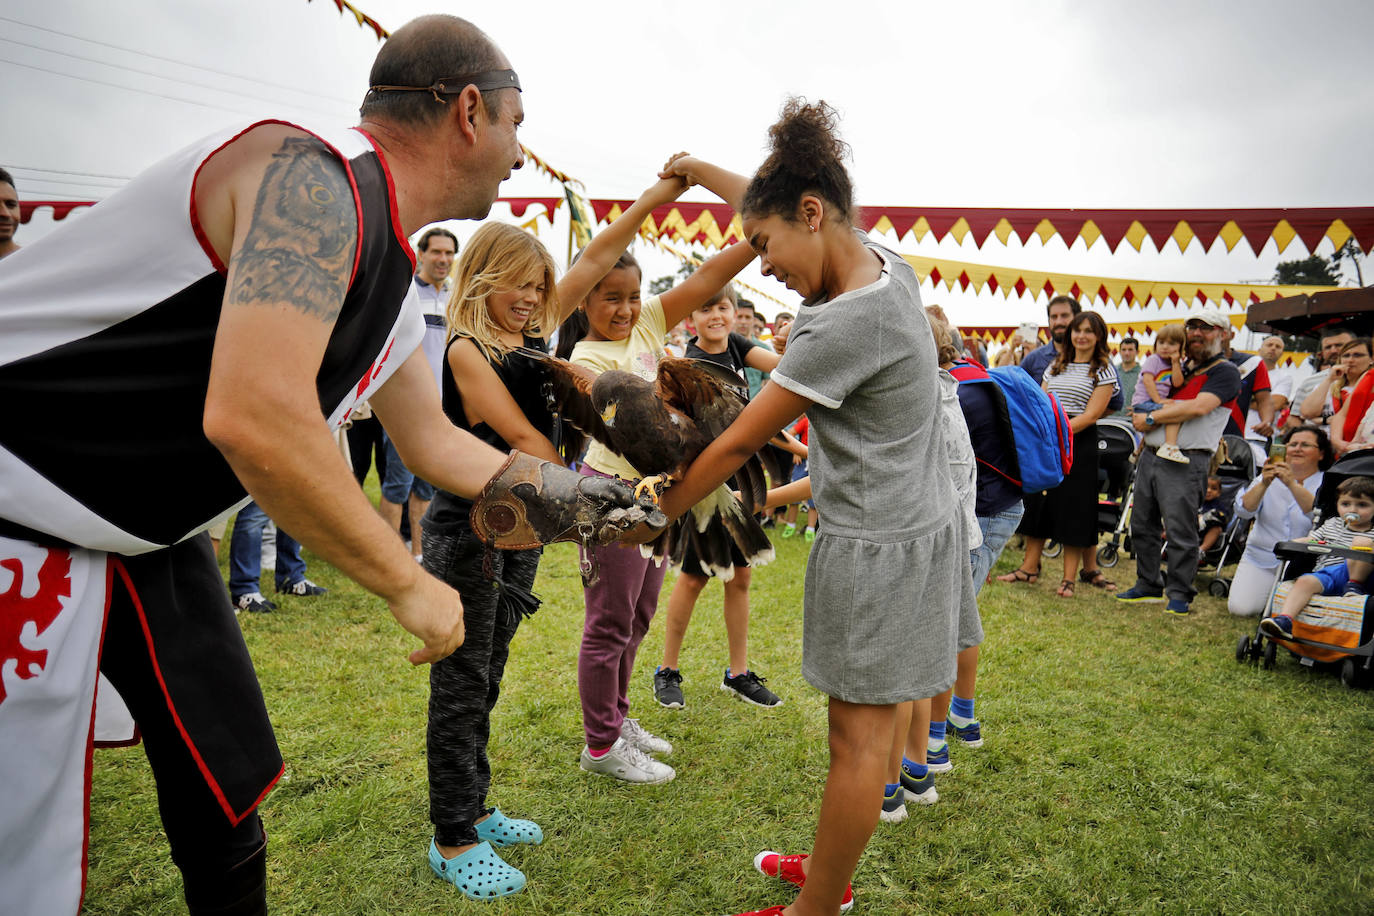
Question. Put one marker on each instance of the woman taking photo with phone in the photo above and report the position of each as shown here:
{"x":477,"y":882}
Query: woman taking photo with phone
{"x":1280,"y":501}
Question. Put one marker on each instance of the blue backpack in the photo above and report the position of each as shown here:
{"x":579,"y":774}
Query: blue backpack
{"x":1037,"y":425}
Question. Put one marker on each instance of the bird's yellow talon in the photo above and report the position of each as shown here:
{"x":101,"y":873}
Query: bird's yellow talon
{"x":650,"y":486}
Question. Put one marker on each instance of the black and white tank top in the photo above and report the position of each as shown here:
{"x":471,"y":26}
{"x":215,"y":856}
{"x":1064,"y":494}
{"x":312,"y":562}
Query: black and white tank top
{"x":106,"y":332}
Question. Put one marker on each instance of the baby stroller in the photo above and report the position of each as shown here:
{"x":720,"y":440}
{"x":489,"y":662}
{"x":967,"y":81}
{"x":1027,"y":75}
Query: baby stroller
{"x":1235,"y":471}
{"x":1330,"y":630}
{"x":1116,"y":444}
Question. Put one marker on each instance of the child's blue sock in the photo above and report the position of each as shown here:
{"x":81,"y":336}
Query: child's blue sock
{"x":890,"y":789}
{"x":914,"y":769}
{"x":961,"y":711}
{"x":937,"y":735}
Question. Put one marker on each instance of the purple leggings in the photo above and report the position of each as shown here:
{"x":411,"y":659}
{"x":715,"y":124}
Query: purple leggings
{"x":619,"y":608}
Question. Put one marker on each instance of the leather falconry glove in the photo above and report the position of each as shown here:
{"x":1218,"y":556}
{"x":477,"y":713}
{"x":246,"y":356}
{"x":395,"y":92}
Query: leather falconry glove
{"x":532,"y":502}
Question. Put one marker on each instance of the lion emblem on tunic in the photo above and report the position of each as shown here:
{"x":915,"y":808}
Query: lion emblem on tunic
{"x":18,"y":611}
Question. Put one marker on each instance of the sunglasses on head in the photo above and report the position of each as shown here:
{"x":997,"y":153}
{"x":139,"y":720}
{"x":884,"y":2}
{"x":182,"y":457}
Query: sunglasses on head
{"x":485,"y":81}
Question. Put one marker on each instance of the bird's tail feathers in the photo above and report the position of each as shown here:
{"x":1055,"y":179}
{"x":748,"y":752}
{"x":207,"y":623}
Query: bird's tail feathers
{"x":722,"y":520}
{"x":750,"y":538}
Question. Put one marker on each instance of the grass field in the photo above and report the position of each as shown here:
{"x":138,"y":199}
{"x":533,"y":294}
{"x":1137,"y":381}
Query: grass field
{"x":1131,"y":766}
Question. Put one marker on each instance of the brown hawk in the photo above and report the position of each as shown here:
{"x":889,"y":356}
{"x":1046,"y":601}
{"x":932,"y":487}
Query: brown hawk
{"x":660,"y":427}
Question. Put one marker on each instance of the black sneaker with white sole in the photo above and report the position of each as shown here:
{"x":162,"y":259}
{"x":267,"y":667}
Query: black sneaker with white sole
{"x":302,"y":589}
{"x":668,"y":688}
{"x":749,"y":688}
{"x":254,"y":603}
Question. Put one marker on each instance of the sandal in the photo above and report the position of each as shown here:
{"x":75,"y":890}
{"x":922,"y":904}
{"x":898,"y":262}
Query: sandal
{"x":1096,"y":580}
{"x":1065,"y":589}
{"x":1020,"y":575}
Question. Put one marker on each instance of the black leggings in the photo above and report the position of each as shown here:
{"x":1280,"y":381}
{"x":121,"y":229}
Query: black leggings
{"x":463,"y":688}
{"x":223,"y":865}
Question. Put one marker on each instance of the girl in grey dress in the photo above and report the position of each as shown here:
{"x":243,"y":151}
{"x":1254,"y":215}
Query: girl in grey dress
{"x":888,"y":575}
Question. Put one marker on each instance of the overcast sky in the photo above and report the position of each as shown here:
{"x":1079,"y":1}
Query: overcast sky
{"x":1110,"y":104}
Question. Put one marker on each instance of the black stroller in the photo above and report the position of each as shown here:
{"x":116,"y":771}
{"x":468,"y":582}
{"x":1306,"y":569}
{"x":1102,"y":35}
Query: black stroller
{"x":1116,"y":444}
{"x":1235,"y":472}
{"x":1330,"y":631}
{"x":1116,"y":441}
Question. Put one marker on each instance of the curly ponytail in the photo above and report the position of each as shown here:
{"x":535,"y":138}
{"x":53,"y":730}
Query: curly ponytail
{"x":806,"y":157}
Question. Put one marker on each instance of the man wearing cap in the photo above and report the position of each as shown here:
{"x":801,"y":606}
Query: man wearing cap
{"x":1167,"y":493}
{"x":270,"y":296}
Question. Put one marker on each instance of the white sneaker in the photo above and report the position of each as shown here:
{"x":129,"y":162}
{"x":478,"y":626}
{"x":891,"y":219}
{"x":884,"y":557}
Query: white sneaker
{"x":1172,"y":453}
{"x":637,"y":735}
{"x":628,"y":763}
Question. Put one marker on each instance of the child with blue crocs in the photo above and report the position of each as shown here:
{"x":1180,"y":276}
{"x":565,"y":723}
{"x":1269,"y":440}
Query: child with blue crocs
{"x":504,"y":297}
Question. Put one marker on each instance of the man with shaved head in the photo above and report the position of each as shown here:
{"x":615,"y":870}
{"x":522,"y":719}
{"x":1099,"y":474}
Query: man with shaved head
{"x":258,"y":291}
{"x":1332,"y":338}
{"x":1280,"y":388}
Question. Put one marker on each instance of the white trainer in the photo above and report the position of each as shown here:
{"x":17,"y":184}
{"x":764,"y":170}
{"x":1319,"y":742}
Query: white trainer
{"x":628,"y":763}
{"x":640,"y":737}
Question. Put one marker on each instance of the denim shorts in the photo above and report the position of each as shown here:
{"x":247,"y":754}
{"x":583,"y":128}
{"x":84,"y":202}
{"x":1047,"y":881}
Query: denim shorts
{"x":398,"y":483}
{"x":1334,"y":578}
{"x":798,"y":472}
{"x":997,"y":530}
{"x":1146,"y":406}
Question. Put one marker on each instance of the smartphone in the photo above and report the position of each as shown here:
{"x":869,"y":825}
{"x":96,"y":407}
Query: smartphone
{"x":1278,"y":452}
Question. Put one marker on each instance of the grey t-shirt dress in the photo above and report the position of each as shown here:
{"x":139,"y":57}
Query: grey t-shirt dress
{"x":889,"y":593}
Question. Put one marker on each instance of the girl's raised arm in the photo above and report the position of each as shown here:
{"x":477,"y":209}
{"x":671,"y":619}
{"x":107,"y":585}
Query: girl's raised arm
{"x":607,"y":246}
{"x":708,"y":279}
{"x":723,"y":183}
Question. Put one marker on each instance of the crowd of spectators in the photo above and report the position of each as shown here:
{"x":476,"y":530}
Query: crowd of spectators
{"x":1182,"y":391}
{"x":1183,"y":394}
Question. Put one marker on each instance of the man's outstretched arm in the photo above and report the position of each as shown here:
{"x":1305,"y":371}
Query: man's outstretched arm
{"x":294,"y":230}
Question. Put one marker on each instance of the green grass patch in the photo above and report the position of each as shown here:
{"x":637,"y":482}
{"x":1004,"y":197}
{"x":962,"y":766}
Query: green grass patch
{"x":1131,"y":766}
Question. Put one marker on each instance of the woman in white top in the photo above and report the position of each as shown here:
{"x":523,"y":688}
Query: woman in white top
{"x":1281,"y":513}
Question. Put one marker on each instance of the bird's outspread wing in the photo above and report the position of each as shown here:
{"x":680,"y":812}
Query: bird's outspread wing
{"x":572,"y":391}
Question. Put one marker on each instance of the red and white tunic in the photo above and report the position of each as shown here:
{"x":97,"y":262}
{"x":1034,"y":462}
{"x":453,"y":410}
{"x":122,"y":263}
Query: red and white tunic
{"x":107,"y":327}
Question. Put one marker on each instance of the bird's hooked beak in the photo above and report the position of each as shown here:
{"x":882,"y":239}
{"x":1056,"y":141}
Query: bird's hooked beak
{"x":608,"y":415}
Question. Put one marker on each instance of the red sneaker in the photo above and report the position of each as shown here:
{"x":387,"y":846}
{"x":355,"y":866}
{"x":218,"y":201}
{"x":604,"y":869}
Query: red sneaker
{"x":771,"y":911}
{"x":789,"y":869}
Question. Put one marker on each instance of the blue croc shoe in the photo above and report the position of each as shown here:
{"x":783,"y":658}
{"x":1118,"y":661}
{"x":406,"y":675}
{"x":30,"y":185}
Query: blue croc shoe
{"x":479,"y":873}
{"x":499,"y":830}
